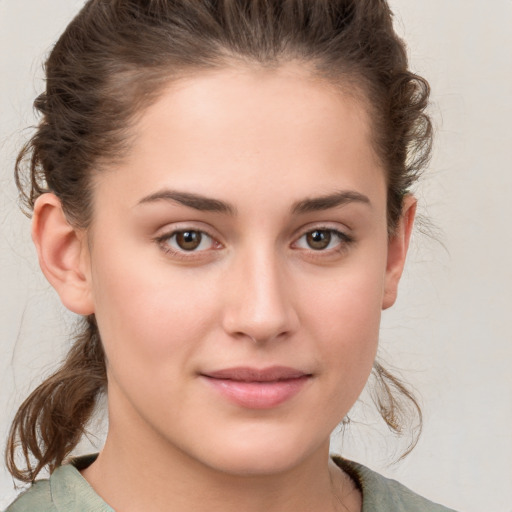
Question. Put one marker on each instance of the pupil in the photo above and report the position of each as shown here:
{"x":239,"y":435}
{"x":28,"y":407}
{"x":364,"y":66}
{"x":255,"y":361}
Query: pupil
{"x":319,"y":239}
{"x":188,"y":240}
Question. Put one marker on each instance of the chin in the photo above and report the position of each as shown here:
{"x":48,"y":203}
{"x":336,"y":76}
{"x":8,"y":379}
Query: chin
{"x":251,"y":464}
{"x":260,"y":455}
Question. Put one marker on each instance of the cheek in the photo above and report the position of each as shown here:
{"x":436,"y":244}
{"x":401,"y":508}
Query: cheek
{"x":148,"y":317}
{"x":343,"y":315}
{"x":349,"y":300}
{"x":349,"y":322}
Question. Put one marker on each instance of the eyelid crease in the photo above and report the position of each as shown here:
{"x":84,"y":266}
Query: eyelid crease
{"x":335,"y":226}
{"x":170,"y":228}
{"x":174,"y":232}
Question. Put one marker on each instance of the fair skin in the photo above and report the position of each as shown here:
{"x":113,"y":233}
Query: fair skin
{"x":288,"y":267}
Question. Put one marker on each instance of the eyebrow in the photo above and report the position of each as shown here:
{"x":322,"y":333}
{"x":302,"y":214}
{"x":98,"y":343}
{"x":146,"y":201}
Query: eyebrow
{"x":327,"y":202}
{"x":207,"y":204}
{"x":196,"y":201}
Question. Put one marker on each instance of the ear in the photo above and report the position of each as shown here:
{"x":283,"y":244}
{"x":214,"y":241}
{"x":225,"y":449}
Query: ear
{"x":397,"y":251}
{"x":63,"y":254}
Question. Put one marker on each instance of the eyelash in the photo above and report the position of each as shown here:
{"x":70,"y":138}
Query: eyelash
{"x":163,"y":242}
{"x":344,"y":240}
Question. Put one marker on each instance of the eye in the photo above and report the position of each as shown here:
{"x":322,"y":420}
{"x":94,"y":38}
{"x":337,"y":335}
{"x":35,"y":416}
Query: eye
{"x":187,"y":240}
{"x":322,"y":239}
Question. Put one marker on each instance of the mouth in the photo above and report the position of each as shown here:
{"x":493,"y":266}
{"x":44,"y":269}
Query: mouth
{"x":254,"y":388}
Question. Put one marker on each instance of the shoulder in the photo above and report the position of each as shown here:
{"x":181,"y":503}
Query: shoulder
{"x":35,"y":499}
{"x":65,"y":491}
{"x":386,"y":495}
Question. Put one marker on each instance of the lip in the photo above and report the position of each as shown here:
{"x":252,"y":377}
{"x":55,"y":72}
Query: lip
{"x":255,"y":388}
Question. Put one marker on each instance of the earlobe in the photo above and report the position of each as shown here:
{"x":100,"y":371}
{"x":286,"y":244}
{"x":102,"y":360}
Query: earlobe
{"x":397,"y":251}
{"x":63,"y":254}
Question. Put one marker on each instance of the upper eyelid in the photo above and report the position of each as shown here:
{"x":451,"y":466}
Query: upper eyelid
{"x":327,"y":226}
{"x":344,"y":236}
{"x":174,"y":232}
{"x":178,"y":227}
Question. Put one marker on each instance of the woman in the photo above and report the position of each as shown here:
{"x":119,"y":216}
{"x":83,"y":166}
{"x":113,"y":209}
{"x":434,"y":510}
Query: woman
{"x":221,"y":190}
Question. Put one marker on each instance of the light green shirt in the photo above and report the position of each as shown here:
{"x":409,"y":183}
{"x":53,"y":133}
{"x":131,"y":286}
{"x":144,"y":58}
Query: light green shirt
{"x":67,"y":491}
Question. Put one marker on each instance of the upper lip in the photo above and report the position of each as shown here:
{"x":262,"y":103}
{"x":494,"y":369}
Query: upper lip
{"x":248,"y":374}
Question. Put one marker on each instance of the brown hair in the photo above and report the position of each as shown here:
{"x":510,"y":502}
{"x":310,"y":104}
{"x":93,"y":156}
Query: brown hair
{"x":113,"y":60}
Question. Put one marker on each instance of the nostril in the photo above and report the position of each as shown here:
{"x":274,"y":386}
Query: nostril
{"x":261,"y":339}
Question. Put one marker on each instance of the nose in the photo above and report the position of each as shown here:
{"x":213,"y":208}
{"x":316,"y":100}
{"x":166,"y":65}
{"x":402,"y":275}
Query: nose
{"x":259,"y":304}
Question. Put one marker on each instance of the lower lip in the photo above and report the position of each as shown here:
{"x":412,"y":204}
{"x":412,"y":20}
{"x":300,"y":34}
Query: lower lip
{"x":258,"y":395}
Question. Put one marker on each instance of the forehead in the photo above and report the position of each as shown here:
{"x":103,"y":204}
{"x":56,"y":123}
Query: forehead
{"x":234,"y":129}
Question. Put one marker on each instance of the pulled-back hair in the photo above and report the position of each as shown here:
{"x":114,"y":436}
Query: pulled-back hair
{"x":112,"y":62}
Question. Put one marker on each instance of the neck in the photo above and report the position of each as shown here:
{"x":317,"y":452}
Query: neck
{"x":127,"y":480}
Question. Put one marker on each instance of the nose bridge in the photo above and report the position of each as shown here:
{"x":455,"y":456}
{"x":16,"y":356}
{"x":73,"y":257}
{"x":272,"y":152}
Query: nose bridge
{"x":259,"y":306}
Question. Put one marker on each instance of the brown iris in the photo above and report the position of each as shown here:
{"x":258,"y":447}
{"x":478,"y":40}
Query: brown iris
{"x":188,"y":240}
{"x":319,"y":239}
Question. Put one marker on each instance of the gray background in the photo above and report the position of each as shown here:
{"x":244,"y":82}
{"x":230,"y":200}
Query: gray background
{"x":450,"y":333}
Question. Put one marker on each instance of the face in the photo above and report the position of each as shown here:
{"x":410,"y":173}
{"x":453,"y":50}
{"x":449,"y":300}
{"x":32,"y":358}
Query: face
{"x":238,"y":263}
